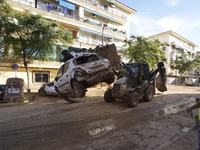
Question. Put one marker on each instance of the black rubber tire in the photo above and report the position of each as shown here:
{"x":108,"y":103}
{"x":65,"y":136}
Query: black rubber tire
{"x":79,"y":89}
{"x":108,"y":96}
{"x":42,"y":92}
{"x":110,"y":80}
{"x":133,"y":99}
{"x":148,"y":93}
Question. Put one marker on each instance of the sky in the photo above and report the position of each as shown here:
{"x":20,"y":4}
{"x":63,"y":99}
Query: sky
{"x":156,"y":16}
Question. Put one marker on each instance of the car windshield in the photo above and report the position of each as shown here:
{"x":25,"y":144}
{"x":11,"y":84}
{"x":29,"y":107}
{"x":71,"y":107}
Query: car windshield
{"x":86,"y":59}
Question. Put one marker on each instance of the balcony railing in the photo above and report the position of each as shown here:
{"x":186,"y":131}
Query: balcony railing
{"x":101,"y":25}
{"x":43,"y":6}
{"x":91,"y":41}
{"x":111,"y":10}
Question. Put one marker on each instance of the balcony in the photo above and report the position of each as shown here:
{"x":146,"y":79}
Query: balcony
{"x":65,"y":19}
{"x":107,"y":28}
{"x":97,"y":4}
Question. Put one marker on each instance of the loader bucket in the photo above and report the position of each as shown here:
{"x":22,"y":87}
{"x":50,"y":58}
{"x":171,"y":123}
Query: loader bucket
{"x":109,"y":52}
{"x":160,"y":85}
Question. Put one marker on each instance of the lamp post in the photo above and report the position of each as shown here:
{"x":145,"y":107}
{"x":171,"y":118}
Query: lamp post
{"x":103,"y":28}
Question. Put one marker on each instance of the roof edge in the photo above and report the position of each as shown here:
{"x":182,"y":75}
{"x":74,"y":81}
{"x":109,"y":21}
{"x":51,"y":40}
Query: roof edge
{"x":176,"y":34}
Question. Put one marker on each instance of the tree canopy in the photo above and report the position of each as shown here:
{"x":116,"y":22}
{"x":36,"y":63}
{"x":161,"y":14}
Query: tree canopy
{"x":140,"y":49}
{"x":29,"y":36}
{"x":182,"y":63}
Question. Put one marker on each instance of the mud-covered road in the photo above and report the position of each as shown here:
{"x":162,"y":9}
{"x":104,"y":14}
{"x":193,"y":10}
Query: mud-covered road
{"x":50,"y":123}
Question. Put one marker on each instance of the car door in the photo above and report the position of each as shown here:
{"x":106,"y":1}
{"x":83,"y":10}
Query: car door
{"x":64,"y":80}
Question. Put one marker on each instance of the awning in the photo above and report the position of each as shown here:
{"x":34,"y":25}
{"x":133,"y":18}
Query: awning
{"x":67,"y":4}
{"x":111,"y":1}
{"x":90,"y":11}
{"x":90,"y":31}
{"x":108,"y":36}
{"x":94,"y":32}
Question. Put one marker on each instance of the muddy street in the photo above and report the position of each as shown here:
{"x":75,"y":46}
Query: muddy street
{"x":52,"y":123}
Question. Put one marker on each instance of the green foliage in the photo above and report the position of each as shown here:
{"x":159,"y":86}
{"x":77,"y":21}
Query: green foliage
{"x":30,"y":36}
{"x":141,"y":49}
{"x":182,"y":63}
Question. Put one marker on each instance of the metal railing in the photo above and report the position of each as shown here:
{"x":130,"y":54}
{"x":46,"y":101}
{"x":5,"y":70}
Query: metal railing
{"x":108,"y":28}
{"x":55,"y":11}
{"x":97,"y":4}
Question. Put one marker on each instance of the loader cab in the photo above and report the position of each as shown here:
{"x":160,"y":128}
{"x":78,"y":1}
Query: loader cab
{"x":139,"y":72}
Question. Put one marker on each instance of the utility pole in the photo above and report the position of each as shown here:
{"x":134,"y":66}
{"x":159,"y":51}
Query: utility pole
{"x":103,"y":28}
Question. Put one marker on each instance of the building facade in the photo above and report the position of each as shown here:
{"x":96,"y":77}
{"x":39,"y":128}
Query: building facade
{"x":177,"y":44}
{"x":91,"y":22}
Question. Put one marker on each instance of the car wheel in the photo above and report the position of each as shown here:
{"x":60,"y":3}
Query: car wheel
{"x":148,"y":93}
{"x":110,"y":80}
{"x":108,"y":96}
{"x":79,"y":89}
{"x":42,"y":92}
{"x":133,"y":99}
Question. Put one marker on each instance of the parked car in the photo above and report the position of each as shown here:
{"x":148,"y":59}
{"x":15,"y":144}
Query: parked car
{"x":2,"y":91}
{"x":191,"y":81}
{"x":77,"y":74}
{"x":14,"y":89}
{"x":47,"y":89}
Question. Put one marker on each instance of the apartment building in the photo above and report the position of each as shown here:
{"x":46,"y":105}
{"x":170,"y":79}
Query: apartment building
{"x":177,"y":43}
{"x":91,"y":22}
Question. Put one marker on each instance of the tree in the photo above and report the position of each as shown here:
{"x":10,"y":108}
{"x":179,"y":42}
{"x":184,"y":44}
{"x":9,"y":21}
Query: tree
{"x":182,"y":63}
{"x":145,"y":50}
{"x":29,"y":36}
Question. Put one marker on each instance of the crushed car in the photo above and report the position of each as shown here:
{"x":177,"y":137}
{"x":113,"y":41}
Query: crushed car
{"x":47,"y":89}
{"x":79,"y":73}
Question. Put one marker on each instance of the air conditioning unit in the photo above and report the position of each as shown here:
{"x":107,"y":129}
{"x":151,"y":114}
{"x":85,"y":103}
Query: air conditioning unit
{"x":112,"y":5}
{"x":94,"y":16}
{"x":110,"y":39}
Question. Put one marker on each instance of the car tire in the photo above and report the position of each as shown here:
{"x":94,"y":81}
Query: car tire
{"x":79,"y":89}
{"x":108,"y":96}
{"x":42,"y":92}
{"x":148,"y":93}
{"x":110,"y":80}
{"x":133,"y":100}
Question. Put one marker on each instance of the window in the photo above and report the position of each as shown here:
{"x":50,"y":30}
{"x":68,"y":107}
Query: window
{"x":104,"y":6}
{"x":60,"y":72}
{"x":94,"y":37}
{"x":41,"y":76}
{"x":164,"y":48}
{"x":69,"y":13}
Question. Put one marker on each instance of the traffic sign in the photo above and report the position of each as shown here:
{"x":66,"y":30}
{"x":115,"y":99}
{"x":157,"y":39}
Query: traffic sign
{"x":15,"y":67}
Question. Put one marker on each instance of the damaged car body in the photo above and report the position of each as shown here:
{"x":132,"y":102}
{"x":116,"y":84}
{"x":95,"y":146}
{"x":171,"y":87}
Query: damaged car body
{"x":79,"y":73}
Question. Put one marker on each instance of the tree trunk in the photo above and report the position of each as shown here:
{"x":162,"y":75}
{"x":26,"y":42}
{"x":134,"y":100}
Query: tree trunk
{"x":28,"y":83}
{"x":180,"y":81}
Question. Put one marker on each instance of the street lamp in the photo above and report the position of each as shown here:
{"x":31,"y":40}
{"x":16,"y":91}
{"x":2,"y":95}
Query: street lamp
{"x":103,"y":28}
